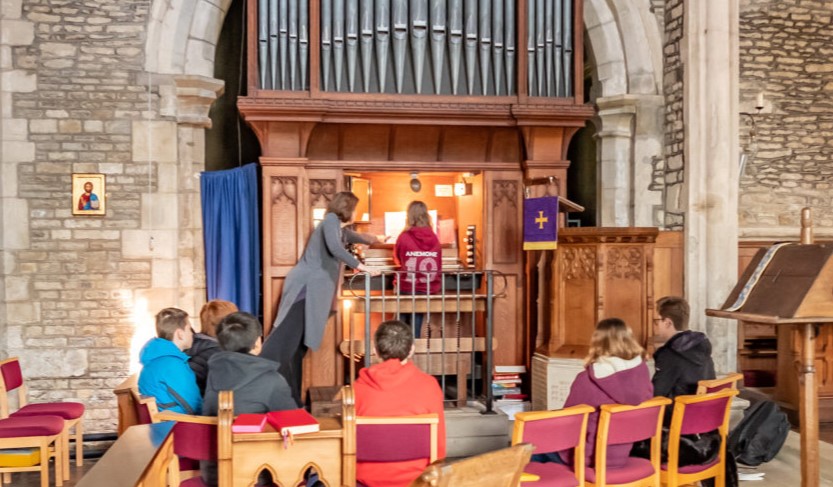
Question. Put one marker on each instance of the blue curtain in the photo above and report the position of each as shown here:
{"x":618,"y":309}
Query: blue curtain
{"x":231,"y":230}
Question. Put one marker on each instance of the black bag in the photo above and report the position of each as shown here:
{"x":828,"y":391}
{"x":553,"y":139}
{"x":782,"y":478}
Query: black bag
{"x":760,"y":435}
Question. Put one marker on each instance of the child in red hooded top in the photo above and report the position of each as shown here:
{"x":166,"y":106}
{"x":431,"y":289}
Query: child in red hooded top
{"x":418,"y":255}
{"x":396,"y":387}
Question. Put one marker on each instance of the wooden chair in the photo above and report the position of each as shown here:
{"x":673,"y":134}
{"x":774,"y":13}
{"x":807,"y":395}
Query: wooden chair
{"x":553,"y":431}
{"x":146,"y":411}
{"x":46,"y":433}
{"x":713,"y":385}
{"x":194,"y":439}
{"x":499,"y":468}
{"x":620,"y":426}
{"x":11,"y":378}
{"x":698,"y":414}
{"x":396,"y":439}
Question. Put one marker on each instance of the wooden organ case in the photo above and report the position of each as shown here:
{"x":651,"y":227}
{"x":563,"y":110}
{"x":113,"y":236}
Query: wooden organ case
{"x":431,"y":85}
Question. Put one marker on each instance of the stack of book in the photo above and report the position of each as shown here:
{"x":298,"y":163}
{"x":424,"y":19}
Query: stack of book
{"x":506,"y":389}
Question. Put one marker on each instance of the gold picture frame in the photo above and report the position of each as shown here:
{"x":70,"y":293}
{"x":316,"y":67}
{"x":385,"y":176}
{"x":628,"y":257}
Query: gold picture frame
{"x":89,"y":200}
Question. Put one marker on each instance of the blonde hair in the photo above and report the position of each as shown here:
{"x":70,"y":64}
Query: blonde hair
{"x":613,"y":338}
{"x":418,"y":215}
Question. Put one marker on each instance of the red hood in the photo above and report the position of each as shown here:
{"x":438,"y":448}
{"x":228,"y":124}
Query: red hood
{"x":388,"y":375}
{"x":423,"y":238}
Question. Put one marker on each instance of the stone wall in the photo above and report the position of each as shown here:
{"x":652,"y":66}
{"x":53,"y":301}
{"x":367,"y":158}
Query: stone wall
{"x":674,"y":156}
{"x":79,"y":288}
{"x":786,"y":53}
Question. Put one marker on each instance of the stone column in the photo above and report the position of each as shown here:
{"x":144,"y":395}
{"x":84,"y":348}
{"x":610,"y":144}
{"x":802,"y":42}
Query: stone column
{"x":710,"y":195}
{"x":616,"y":161}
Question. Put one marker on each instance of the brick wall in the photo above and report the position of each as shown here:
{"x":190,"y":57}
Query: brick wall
{"x":674,"y":159}
{"x":785,"y":51}
{"x":74,"y":96}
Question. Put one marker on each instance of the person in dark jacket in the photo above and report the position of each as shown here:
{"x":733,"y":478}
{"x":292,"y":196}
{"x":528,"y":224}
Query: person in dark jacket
{"x":205,"y":342}
{"x":615,"y":373}
{"x":685,"y":357}
{"x":309,"y":290}
{"x":257,"y":385}
{"x":418,"y":255}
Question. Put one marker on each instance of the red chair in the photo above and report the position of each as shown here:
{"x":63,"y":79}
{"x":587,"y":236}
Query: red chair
{"x":620,"y":426}
{"x":698,"y":414}
{"x":554,"y":431}
{"x":41,"y":432}
{"x":71,"y":412}
{"x":396,"y":439}
{"x":195,"y":440}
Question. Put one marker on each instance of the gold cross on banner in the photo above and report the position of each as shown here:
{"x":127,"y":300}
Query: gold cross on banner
{"x":541,"y":219}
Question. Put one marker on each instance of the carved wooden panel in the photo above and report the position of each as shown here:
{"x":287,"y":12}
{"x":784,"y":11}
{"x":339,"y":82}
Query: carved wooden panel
{"x":321,"y":192}
{"x":578,"y":263}
{"x":283,"y":211}
{"x":506,"y":233}
{"x":624,"y":263}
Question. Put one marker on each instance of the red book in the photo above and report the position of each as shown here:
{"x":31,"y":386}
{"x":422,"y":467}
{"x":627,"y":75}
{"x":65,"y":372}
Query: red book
{"x":249,"y":423}
{"x":292,"y":422}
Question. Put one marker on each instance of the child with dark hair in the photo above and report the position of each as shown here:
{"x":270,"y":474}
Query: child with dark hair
{"x":396,"y":387}
{"x":257,"y":385}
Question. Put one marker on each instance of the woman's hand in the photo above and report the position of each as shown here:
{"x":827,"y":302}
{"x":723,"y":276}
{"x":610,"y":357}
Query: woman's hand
{"x":382,"y":238}
{"x":373,"y":271}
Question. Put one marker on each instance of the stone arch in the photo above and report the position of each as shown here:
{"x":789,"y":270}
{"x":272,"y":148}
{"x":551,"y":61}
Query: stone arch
{"x":626,"y":43}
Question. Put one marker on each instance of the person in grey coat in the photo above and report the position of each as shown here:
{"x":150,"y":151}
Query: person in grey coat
{"x":309,"y":290}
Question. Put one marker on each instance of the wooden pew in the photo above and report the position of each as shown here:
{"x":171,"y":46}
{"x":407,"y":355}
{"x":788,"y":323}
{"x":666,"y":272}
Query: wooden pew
{"x":140,"y":458}
{"x":331,"y":451}
{"x":125,"y":401}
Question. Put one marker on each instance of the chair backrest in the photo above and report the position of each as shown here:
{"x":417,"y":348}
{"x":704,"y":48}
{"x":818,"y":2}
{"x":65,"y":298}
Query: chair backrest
{"x":494,"y":469}
{"x":619,"y":423}
{"x":195,"y":437}
{"x":550,"y":431}
{"x":146,"y":410}
{"x":713,"y":385}
{"x":623,"y":424}
{"x":702,"y":413}
{"x":11,"y":378}
{"x":396,"y":438}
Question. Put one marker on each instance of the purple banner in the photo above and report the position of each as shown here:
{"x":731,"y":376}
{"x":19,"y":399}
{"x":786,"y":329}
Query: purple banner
{"x":541,"y":223}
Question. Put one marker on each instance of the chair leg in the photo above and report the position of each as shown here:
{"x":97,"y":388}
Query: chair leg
{"x":65,"y":455}
{"x":79,"y":442}
{"x":44,"y":466}
{"x":720,"y":479}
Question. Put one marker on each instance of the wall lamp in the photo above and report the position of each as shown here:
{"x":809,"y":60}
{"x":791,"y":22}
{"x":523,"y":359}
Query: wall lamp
{"x":751,"y":147}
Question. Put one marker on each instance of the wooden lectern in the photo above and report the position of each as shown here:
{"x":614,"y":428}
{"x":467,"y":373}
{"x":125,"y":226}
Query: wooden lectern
{"x":792,"y":285}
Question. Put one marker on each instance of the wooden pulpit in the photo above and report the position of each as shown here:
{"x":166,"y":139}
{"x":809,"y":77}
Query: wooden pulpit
{"x":791,"y":286}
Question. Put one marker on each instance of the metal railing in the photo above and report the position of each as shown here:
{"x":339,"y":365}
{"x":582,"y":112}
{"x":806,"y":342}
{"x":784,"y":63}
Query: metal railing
{"x":461,"y":298}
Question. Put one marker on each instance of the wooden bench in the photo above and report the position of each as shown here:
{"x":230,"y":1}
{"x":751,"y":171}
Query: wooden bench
{"x":140,"y":458}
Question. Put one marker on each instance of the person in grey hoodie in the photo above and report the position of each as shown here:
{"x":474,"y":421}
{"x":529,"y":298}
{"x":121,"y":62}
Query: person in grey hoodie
{"x":258,"y":387}
{"x":255,"y":381}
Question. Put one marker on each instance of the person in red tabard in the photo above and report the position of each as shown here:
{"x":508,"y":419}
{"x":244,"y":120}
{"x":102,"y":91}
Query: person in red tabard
{"x":396,"y":387}
{"x":418,"y":255}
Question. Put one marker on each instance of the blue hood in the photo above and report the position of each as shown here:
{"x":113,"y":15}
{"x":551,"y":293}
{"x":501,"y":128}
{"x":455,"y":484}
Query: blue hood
{"x":160,"y":347}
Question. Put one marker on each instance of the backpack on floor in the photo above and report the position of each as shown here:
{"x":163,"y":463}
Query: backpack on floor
{"x":760,"y":435}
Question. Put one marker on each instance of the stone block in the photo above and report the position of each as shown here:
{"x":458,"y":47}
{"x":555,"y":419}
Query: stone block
{"x":11,"y":9}
{"x":156,"y":141}
{"x":58,"y":49}
{"x":167,"y":178}
{"x":14,"y":129}
{"x":199,"y":58}
{"x":70,"y":126}
{"x":159,"y":210}
{"x":53,"y":362}
{"x":164,"y":273}
{"x":15,"y":230}
{"x":23,"y":312}
{"x":18,"y":151}
{"x":17,"y":288}
{"x":18,"y":80}
{"x":137,"y":244}
{"x":93,"y":126}
{"x":43,"y":126}
{"x":16,"y":32}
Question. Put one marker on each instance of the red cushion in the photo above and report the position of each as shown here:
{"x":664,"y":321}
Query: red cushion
{"x":694,"y":468}
{"x":552,"y":475}
{"x":633,"y":470}
{"x":66,"y":410}
{"x":31,"y":426}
